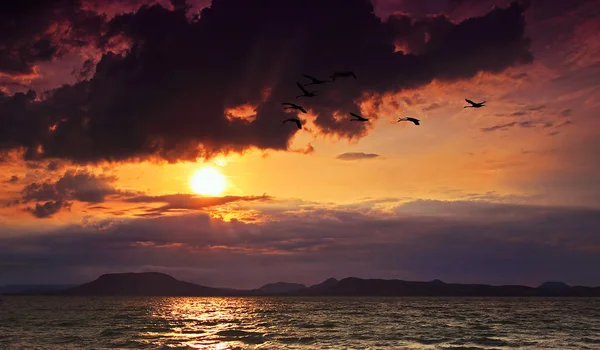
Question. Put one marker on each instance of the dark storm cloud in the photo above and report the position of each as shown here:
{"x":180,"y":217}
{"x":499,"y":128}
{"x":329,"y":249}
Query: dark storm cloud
{"x":356,"y":156}
{"x":541,"y":9}
{"x":33,"y":31}
{"x":166,"y":97}
{"x":419,"y":8}
{"x":455,"y":241}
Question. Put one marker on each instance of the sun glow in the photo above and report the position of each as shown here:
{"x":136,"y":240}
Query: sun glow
{"x":208,"y":181}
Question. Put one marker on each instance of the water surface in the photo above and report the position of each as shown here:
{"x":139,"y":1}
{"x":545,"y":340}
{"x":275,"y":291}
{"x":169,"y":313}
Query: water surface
{"x":298,"y":323}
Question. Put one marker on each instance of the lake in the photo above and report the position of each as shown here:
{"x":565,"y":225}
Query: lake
{"x":35,"y":322}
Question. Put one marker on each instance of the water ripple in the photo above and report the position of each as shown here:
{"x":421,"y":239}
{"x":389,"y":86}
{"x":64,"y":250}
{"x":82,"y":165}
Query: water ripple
{"x":299,"y":323}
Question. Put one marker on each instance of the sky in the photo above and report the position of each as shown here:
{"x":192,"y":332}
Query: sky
{"x":108,"y":110}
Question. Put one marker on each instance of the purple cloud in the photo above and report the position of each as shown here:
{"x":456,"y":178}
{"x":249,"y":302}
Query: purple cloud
{"x":455,"y":241}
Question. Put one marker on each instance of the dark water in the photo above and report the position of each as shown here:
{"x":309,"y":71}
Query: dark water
{"x":298,"y":323}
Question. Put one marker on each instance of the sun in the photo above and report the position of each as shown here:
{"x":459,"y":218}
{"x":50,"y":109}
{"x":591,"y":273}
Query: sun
{"x":208,"y":181}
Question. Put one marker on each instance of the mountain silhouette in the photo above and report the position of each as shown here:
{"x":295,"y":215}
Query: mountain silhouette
{"x":330,"y":282}
{"x":160,"y":284}
{"x":554,"y":286}
{"x":353,"y":286}
{"x":438,"y":282}
{"x":280,"y":288}
{"x":145,"y":283}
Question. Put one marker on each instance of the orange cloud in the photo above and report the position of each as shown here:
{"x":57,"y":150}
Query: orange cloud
{"x":245,"y":112}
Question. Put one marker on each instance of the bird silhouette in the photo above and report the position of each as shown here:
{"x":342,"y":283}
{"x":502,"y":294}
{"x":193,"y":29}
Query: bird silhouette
{"x":315,"y":81}
{"x":358,"y":118}
{"x":409,"y":119}
{"x":342,"y":74}
{"x":306,"y":92}
{"x":474,"y":104}
{"x":294,"y":106}
{"x":295,"y":120}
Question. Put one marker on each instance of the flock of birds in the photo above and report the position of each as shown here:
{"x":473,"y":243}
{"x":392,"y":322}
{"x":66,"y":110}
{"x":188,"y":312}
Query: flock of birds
{"x":354,"y":117}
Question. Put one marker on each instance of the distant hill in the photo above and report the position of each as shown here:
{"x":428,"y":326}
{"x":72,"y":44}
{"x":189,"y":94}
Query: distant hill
{"x":554,"y":286}
{"x":328,"y":283}
{"x":438,"y":282}
{"x":160,"y":284}
{"x":378,"y":287}
{"x":279,"y":288}
{"x":143,"y":284}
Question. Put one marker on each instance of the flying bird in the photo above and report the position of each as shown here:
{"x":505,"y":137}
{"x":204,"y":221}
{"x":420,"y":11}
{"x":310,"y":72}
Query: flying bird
{"x":474,"y":104}
{"x":306,"y":92}
{"x":294,"y":106}
{"x":344,"y":74}
{"x":409,"y":119}
{"x":295,"y":120}
{"x":358,"y":118}
{"x":315,"y":81}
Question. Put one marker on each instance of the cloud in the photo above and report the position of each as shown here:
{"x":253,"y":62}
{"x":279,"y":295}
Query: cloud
{"x":167,"y":96}
{"x":464,"y":241}
{"x":499,"y":127}
{"x":79,"y":186}
{"x":177,"y":202}
{"x":309,"y":149}
{"x":83,"y":186}
{"x":536,"y":108}
{"x":357,"y":156}
{"x":49,"y":208}
{"x":566,"y":112}
{"x":432,"y":107}
{"x":526,"y":124}
{"x":13,"y":179}
{"x":37,"y":31}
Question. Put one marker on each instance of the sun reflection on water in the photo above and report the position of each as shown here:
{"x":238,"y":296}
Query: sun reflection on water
{"x":208,"y":323}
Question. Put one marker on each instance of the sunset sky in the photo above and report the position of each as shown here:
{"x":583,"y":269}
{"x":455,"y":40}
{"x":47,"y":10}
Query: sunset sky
{"x":109,"y":108}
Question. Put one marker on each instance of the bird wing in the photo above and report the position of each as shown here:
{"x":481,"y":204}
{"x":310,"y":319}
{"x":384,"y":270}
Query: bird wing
{"x":298,"y":123}
{"x":471,"y":102}
{"x":302,"y":88}
{"x":302,"y":109}
{"x":356,"y":115}
{"x":309,"y":77}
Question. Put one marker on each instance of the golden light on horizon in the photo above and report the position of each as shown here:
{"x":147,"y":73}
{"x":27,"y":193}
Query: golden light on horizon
{"x":208,"y":181}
